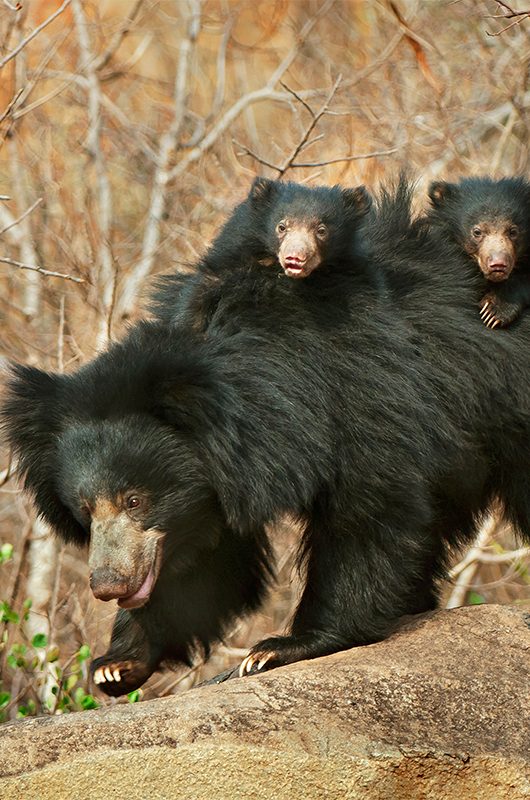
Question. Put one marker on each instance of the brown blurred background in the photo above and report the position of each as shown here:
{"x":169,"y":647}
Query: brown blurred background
{"x":128,"y":129}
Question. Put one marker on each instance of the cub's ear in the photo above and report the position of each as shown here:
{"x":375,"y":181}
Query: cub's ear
{"x":440,"y":192}
{"x":31,"y":417}
{"x":359,"y":199}
{"x":261,"y":190}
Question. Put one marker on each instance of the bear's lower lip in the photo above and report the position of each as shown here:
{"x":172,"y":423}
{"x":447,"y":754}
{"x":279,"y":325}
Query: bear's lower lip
{"x":141,"y":596}
{"x":498,"y":273}
{"x":294,"y":269}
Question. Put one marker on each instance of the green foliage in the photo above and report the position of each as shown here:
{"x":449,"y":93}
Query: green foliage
{"x":475,"y":599}
{"x":37,"y":664}
{"x":6,"y":552}
{"x":134,"y":696}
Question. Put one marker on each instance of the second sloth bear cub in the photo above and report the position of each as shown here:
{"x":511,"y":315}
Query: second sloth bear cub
{"x":490,"y":221}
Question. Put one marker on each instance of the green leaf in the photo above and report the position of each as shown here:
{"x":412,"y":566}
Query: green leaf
{"x":52,"y":654}
{"x":5,"y":697}
{"x":6,"y":552}
{"x":83,"y":653}
{"x":134,"y":696}
{"x":71,"y":681}
{"x":7,"y":614}
{"x":89,"y":702}
{"x":39,"y":640}
{"x":27,"y":710}
{"x":64,"y":703}
{"x":79,"y":695}
{"x":475,"y":599}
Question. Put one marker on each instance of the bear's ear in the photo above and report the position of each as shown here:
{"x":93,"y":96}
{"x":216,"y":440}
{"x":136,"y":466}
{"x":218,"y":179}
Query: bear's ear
{"x":261,"y":190}
{"x":359,"y":199}
{"x":31,"y":418}
{"x":440,"y":191}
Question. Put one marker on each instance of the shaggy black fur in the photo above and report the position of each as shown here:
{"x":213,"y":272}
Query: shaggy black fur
{"x":368,"y":399}
{"x":490,"y":221}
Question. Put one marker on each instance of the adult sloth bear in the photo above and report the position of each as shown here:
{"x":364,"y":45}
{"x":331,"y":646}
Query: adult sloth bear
{"x":368,"y":399}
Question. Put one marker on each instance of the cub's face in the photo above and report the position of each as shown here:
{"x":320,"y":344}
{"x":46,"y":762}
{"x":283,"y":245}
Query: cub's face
{"x":496,"y":243}
{"x":489,"y":219}
{"x":304,"y":228}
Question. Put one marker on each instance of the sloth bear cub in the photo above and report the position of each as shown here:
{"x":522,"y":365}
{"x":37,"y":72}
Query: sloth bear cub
{"x":490,"y":221}
{"x":285,"y":228}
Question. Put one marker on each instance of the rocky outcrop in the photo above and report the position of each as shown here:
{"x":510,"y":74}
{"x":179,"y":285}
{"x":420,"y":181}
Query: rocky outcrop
{"x":440,"y":710}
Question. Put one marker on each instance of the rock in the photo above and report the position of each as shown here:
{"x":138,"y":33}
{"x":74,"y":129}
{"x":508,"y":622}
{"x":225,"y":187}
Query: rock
{"x":440,"y":710}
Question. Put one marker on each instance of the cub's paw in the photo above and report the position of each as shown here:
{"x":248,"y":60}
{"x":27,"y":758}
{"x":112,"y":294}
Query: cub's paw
{"x":497,"y":313}
{"x":115,"y":677}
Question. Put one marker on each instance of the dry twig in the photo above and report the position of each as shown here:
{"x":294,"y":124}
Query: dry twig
{"x":34,"y":268}
{"x":34,"y":33}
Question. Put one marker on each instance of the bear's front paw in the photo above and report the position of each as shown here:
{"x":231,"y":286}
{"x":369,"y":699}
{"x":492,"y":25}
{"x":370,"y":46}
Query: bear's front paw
{"x":116,"y":677}
{"x":495,"y":312}
{"x":274,"y":652}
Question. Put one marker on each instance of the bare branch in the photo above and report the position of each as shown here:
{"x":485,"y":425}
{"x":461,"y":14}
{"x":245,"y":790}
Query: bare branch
{"x":118,"y":37}
{"x":305,"y":142}
{"x":168,"y":144}
{"x":246,"y":151}
{"x":265,"y":93}
{"x":11,"y":105}
{"x":221,"y":69}
{"x":34,"y":33}
{"x":223,"y":124}
{"x":298,"y":97}
{"x":22,"y":216}
{"x":470,"y":562}
{"x":509,"y":12}
{"x":47,"y":272}
{"x":104,"y":194}
{"x":302,"y":36}
{"x":287,"y":164}
{"x":375,"y":154}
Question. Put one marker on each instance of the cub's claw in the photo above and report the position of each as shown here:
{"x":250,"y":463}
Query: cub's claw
{"x":496,"y":311}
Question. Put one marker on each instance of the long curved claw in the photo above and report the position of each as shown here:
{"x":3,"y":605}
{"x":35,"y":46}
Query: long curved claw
{"x":245,"y":665}
{"x":266,"y":658}
{"x":254,"y":660}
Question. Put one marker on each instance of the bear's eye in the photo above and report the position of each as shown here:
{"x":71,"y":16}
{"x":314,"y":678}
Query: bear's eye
{"x":477,"y":233}
{"x":133,"y":501}
{"x":322,"y":231}
{"x":513,"y":232}
{"x":281,"y":227}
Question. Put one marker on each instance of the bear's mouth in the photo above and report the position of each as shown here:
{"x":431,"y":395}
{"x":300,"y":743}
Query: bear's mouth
{"x":294,"y":267}
{"x":140,"y":596}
